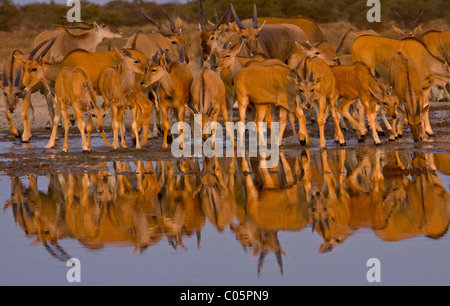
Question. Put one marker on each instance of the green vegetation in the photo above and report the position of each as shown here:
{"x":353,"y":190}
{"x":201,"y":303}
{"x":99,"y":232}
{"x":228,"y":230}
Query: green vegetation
{"x":123,"y":13}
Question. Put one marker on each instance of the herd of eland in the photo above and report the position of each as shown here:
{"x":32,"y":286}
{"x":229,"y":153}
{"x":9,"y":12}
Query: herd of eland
{"x":271,"y":68}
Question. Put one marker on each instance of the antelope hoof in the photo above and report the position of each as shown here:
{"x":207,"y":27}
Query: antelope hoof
{"x":86,"y":151}
{"x":303,"y":142}
{"x":392,"y":139}
{"x":343,"y":144}
{"x":399,"y":136}
{"x":19,"y":136}
{"x":432,"y":135}
{"x":25,"y":141}
{"x":381,"y":133}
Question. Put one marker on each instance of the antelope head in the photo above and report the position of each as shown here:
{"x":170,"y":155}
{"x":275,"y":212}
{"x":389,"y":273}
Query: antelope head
{"x":131,"y":62}
{"x":34,"y":67}
{"x":228,"y":55}
{"x":207,"y":116}
{"x":89,"y":99}
{"x":405,"y":32}
{"x":12,"y":84}
{"x":307,"y":90}
{"x":307,"y":50}
{"x":388,"y":101}
{"x":173,"y":34}
{"x":249,"y":35}
{"x":210,"y":36}
{"x":156,"y":68}
{"x":105,"y":32}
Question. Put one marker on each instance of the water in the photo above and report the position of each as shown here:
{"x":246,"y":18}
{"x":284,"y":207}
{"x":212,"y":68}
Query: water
{"x":316,"y":219}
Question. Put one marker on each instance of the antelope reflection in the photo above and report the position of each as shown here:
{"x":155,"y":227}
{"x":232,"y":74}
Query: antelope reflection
{"x":396,"y":194}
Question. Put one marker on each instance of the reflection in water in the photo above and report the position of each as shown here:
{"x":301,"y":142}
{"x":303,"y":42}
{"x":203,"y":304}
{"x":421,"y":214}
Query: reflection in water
{"x":140,"y":204}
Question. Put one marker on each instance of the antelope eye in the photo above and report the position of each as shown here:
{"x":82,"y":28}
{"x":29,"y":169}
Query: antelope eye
{"x":136,"y":62}
{"x":94,"y":116}
{"x":317,"y":53}
{"x":212,"y":38}
{"x":154,"y":70}
{"x":173,"y":42}
{"x":312,"y":90}
{"x":228,"y":55}
{"x":104,"y":115}
{"x":33,"y":69}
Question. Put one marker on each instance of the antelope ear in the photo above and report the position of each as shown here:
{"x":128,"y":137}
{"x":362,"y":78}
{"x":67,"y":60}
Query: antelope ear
{"x":200,"y":27}
{"x":397,"y":30}
{"x":300,"y":47}
{"x":317,"y":80}
{"x":417,"y":30}
{"x":292,"y":80}
{"x":20,"y":59}
{"x":96,"y":25}
{"x":424,"y":110}
{"x":210,"y":23}
{"x":260,"y":27}
{"x":120,"y":53}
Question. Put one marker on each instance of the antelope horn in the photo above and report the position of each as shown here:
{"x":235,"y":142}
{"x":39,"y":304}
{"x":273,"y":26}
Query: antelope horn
{"x":181,"y":58}
{"x":133,"y":45}
{"x":311,"y":76}
{"x":402,"y":22}
{"x":44,"y":52}
{"x":127,"y":53}
{"x":17,"y":81}
{"x":255,"y":17}
{"x":171,"y":22}
{"x":155,"y":57}
{"x":164,"y":53}
{"x":5,"y":78}
{"x":215,"y":13}
{"x":238,"y":21}
{"x":158,"y":24}
{"x":81,"y":21}
{"x":202,"y":17}
{"x":221,"y":19}
{"x":308,"y":46}
{"x":298,"y":76}
{"x":33,"y":53}
{"x":447,"y":57}
{"x":233,"y":46}
{"x":417,"y":20}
